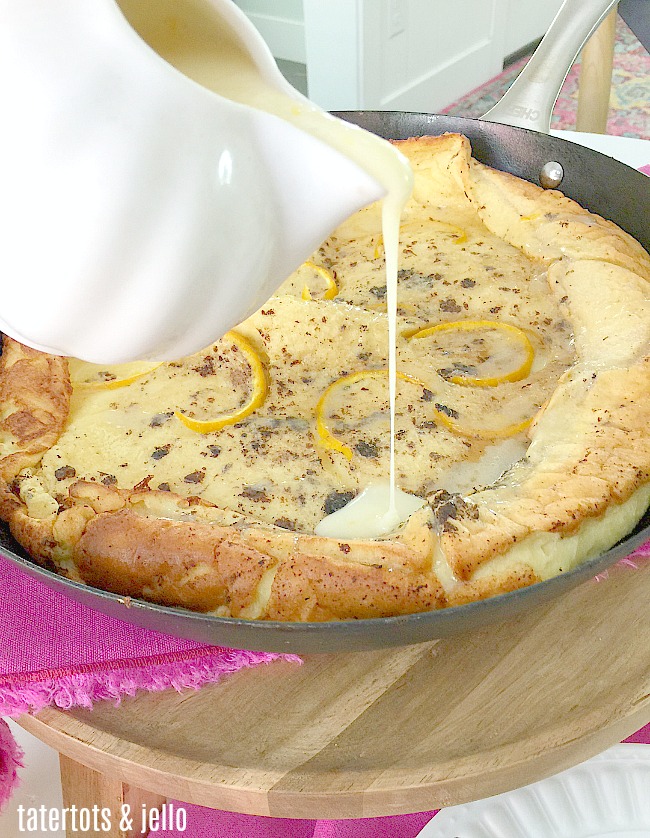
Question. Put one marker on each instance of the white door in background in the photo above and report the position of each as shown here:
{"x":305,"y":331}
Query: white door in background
{"x":526,"y":21}
{"x":418,"y":55}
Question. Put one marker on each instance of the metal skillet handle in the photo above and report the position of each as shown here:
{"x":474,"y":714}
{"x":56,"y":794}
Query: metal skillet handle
{"x":529,"y":101}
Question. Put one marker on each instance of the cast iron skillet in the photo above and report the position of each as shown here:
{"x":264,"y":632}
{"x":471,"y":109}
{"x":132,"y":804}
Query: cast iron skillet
{"x":600,"y":184}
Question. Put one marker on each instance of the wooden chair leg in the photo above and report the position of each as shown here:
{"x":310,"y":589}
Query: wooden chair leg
{"x":595,"y":81}
{"x":105,"y":800}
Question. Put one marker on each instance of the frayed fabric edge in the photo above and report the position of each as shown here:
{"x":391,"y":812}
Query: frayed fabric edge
{"x":11,"y":759}
{"x":632,"y":562}
{"x":83,"y":689}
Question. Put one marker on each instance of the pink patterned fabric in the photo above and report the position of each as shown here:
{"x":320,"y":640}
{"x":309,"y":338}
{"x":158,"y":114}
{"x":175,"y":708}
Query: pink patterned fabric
{"x":629,"y":104}
{"x":629,"y":114}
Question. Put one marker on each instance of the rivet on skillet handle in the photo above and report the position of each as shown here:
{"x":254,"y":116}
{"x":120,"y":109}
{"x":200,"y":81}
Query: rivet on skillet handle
{"x":550,"y":177}
{"x":530,"y":100}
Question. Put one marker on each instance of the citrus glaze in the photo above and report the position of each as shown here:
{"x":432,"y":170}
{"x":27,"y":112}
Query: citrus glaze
{"x":194,"y":38}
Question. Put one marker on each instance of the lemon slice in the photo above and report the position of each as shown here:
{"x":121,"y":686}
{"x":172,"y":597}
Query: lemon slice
{"x":331,"y":288}
{"x":325,"y":436}
{"x":516,"y":337}
{"x":481,"y":433}
{"x":258,"y":391}
{"x":87,"y":376}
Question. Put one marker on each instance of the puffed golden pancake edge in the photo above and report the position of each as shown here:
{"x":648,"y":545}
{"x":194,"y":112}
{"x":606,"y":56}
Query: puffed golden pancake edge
{"x":582,"y":484}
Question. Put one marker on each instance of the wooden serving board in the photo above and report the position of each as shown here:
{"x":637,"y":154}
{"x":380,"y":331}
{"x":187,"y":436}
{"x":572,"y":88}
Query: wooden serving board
{"x":402,"y":730}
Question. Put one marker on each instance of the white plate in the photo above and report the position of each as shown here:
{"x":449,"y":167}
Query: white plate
{"x":606,"y":797}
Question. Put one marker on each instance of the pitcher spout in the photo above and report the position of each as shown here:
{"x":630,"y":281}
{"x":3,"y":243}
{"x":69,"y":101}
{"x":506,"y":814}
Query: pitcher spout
{"x":314,"y":189}
{"x":160,"y":178}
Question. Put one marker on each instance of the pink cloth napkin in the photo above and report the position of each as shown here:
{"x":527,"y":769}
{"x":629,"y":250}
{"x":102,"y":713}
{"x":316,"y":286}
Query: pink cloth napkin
{"x":54,"y":650}
{"x":206,"y":823}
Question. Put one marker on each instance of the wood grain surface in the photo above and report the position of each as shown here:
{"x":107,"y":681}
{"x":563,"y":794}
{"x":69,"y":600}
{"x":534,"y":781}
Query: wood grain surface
{"x":400,"y":730}
{"x":86,"y":788}
{"x":595,"y":80}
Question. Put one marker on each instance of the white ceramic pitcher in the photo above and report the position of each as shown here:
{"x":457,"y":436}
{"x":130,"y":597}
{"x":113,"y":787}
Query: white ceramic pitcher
{"x":141,"y":214}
